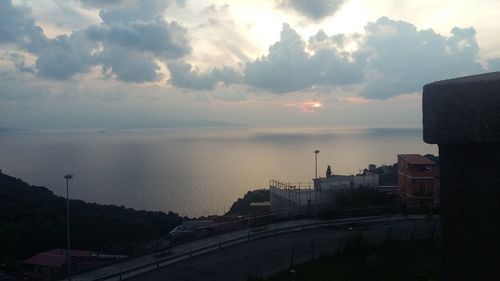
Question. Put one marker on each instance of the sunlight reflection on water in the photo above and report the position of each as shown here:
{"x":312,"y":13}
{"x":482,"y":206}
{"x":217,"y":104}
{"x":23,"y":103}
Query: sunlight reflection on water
{"x":193,"y":171}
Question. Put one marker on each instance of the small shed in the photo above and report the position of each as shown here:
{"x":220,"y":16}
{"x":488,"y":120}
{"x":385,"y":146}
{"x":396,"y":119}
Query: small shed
{"x":53,"y":261}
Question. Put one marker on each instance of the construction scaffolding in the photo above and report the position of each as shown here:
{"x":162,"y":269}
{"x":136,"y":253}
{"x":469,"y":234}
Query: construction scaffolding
{"x":297,"y":199}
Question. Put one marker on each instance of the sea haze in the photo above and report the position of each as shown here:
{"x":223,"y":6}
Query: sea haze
{"x":192,"y":171}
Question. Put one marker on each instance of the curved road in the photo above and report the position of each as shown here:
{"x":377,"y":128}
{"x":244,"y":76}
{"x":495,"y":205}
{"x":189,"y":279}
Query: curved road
{"x":266,"y":256}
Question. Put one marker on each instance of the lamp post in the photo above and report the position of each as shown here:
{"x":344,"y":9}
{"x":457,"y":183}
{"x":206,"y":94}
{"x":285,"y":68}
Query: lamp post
{"x":316,"y":152}
{"x":316,"y":183}
{"x":68,"y":255}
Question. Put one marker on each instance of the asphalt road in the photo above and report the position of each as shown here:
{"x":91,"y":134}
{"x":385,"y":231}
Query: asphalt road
{"x":266,"y":256}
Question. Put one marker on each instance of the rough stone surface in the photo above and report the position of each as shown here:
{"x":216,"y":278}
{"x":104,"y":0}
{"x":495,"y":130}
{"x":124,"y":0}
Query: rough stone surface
{"x":462,"y":110}
{"x":463,"y":117}
{"x":470,"y":211}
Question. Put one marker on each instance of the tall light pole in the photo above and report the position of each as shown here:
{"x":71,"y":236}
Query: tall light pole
{"x":316,"y":183}
{"x":316,"y":166}
{"x":68,"y":249}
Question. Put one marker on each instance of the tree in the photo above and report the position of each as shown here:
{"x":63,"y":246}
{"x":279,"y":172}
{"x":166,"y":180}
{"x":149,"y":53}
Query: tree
{"x":328,"y":171}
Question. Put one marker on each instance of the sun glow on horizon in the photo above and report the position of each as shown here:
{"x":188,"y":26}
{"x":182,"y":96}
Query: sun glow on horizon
{"x":307,"y":106}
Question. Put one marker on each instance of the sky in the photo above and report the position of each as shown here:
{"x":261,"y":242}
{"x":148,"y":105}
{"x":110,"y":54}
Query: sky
{"x":263,"y":63}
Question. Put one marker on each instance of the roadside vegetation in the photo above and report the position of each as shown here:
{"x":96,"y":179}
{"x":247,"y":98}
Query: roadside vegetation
{"x":361,"y":197}
{"x":417,"y":260}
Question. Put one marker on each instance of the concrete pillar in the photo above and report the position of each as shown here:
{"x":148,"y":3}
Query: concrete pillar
{"x":462,"y":116}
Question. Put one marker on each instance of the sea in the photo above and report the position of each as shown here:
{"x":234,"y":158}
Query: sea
{"x":193,"y":171}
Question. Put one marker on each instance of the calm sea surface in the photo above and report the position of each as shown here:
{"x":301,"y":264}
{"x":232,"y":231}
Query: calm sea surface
{"x":192,"y":171}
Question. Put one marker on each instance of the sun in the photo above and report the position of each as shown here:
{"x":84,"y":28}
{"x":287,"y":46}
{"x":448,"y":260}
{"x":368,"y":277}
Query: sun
{"x":307,"y":106}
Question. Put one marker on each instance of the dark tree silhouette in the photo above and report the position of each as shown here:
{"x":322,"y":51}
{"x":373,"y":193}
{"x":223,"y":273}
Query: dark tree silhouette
{"x":32,"y":219}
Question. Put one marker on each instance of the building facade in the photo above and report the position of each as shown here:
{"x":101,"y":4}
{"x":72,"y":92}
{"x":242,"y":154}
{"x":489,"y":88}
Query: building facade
{"x":305,"y":198}
{"x":418,"y":181}
{"x":337,"y":182}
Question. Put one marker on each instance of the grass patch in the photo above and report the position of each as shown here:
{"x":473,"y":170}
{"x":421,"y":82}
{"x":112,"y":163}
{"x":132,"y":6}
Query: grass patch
{"x":417,"y":260}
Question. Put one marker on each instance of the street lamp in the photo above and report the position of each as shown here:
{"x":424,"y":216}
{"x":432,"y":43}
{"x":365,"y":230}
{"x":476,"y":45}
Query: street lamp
{"x":68,"y":255}
{"x":316,"y":183}
{"x":316,"y":166}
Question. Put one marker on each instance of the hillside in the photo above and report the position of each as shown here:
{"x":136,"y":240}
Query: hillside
{"x":33,"y":219}
{"x":242,"y":206}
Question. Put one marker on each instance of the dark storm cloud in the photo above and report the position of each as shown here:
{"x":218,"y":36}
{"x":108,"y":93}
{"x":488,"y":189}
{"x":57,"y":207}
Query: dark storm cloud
{"x":136,"y":44}
{"x":99,"y":3}
{"x":288,"y":67}
{"x":136,"y":11}
{"x":127,"y":65}
{"x":163,"y":39}
{"x":132,"y":35}
{"x":183,"y":76}
{"x":316,"y":10}
{"x":18,"y":27}
{"x":404,"y":58}
{"x":65,"y":56}
{"x":58,"y":58}
{"x":132,"y":9}
{"x":284,"y":69}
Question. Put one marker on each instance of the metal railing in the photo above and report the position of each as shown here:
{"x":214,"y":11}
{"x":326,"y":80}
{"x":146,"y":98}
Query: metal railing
{"x":290,"y":185}
{"x":235,"y":241}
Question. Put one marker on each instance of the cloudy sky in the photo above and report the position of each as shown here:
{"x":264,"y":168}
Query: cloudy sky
{"x":121,"y":63}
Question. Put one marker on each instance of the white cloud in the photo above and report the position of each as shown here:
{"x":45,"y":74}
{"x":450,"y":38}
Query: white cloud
{"x":129,"y":39}
{"x":289,"y":67}
{"x":183,"y":75}
{"x":221,"y":53}
{"x":404,"y":58}
{"x":18,"y":27}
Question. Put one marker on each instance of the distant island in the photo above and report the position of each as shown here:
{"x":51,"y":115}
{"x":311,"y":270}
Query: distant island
{"x":164,"y":124}
{"x":143,"y":124}
{"x":6,"y":130}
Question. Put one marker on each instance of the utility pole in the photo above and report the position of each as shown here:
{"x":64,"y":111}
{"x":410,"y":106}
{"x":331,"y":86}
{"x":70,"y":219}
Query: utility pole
{"x":68,"y":249}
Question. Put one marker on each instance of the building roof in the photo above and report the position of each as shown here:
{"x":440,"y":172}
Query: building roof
{"x":55,"y":257}
{"x":416,"y":159}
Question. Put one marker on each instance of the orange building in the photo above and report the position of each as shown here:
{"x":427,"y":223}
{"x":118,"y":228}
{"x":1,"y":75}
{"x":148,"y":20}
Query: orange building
{"x":418,"y":181}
